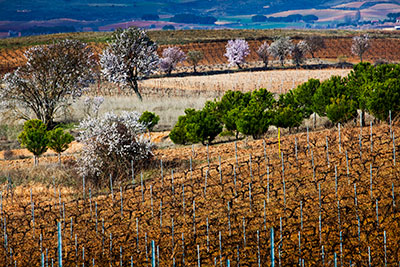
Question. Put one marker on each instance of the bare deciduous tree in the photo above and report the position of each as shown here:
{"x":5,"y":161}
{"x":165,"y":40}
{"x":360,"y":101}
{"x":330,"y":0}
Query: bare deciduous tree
{"x":314,"y":43}
{"x":129,"y":57}
{"x":360,"y":45}
{"x":298,"y":53}
{"x":194,"y":58}
{"x":263,"y":53}
{"x":53,"y":76}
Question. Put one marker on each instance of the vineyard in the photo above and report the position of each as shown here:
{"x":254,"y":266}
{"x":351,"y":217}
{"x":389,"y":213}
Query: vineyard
{"x":324,"y":198}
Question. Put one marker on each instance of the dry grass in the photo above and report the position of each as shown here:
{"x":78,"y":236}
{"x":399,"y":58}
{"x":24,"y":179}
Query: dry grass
{"x":168,"y":108}
{"x":278,"y":81}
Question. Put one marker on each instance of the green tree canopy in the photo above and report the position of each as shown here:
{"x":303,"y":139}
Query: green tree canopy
{"x":34,"y":138}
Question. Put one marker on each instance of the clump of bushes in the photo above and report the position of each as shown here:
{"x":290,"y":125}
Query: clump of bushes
{"x":372,"y":89}
{"x":37,"y":139}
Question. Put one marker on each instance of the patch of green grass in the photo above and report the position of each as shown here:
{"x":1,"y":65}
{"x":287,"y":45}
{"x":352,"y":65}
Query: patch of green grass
{"x":68,"y":126}
{"x":10,"y":132}
{"x":189,"y":36}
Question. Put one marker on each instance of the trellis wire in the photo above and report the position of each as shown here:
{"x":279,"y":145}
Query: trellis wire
{"x":327,"y":151}
{"x":220,"y":249}
{"x":340,"y":139}
{"x":111,"y":188}
{"x":370,"y":175}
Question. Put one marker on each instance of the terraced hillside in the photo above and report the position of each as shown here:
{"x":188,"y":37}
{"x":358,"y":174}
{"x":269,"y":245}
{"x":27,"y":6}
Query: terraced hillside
{"x":384,"y":46}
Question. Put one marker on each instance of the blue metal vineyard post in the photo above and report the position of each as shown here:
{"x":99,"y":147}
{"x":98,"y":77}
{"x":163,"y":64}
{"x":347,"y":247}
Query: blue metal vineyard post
{"x":59,"y":245}
{"x":272,"y":248}
{"x":153,"y":254}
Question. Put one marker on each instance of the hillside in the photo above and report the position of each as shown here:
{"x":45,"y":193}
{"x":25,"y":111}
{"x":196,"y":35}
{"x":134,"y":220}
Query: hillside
{"x":384,"y":45}
{"x":325,"y":200}
{"x":44,"y":16}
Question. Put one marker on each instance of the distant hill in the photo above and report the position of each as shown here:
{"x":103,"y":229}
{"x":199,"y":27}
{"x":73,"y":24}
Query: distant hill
{"x":90,"y":10}
{"x":89,"y":15}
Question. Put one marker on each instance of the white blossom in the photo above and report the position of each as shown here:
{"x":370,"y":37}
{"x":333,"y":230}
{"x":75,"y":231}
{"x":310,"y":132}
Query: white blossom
{"x":111,"y":143}
{"x":171,"y":57}
{"x":236,"y":52}
{"x":130,"y":57}
{"x":360,"y":45}
{"x":281,"y":48}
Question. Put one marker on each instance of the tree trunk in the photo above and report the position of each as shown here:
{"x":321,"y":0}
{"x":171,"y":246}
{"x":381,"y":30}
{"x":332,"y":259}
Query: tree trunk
{"x":194,"y":69}
{"x":59,"y":158}
{"x":315,"y":120}
{"x":135,"y":87}
{"x":363,"y":117}
{"x":35,"y":160}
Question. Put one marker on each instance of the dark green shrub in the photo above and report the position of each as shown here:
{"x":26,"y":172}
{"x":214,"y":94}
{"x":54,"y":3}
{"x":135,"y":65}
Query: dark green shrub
{"x":178,"y":135}
{"x":34,"y":138}
{"x":203,"y":126}
{"x":341,"y":109}
{"x":256,"y":118}
{"x":303,"y":95}
{"x":287,"y":112}
{"x":383,"y":98}
{"x":59,"y":141}
{"x":229,"y":108}
{"x":328,"y":89}
{"x":150,"y":119}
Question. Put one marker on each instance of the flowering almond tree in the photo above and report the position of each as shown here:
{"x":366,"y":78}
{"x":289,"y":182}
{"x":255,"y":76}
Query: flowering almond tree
{"x":171,"y":57}
{"x":236,"y":52}
{"x":360,"y":45}
{"x":130,"y":57}
{"x":53,"y":76}
{"x":281,"y":48}
{"x":111,"y":144}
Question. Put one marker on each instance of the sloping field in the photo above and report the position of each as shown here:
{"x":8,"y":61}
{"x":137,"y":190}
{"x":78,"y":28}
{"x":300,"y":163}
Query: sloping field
{"x":277,"y":81}
{"x":325,"y":202}
{"x":381,"y":48}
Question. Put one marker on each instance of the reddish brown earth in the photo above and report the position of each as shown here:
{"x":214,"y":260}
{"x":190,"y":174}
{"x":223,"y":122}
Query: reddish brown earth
{"x":290,"y":197}
{"x":381,"y":49}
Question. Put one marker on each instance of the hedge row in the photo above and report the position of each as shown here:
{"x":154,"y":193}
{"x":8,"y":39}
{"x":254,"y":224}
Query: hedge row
{"x":368,"y":88}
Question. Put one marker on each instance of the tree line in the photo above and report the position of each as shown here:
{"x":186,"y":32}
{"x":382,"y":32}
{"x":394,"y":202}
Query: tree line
{"x":57,"y":74}
{"x":367,"y":88}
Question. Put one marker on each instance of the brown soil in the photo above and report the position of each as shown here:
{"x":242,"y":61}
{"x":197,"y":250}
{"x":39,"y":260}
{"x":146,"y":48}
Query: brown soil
{"x":381,"y":49}
{"x":260,"y":180}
